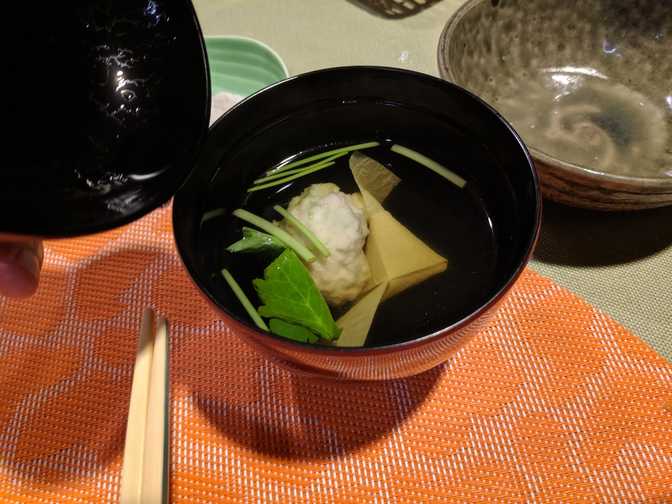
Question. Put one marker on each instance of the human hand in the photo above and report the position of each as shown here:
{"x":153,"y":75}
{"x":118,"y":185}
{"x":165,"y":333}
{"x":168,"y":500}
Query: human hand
{"x":20,"y":264}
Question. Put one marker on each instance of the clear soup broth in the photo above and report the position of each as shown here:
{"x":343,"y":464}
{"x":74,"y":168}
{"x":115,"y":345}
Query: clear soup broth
{"x":456,"y":223}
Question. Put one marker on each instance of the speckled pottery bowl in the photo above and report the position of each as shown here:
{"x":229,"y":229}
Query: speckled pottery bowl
{"x":587,"y":84}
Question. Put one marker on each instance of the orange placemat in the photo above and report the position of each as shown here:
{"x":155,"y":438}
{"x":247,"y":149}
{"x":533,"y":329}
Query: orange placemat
{"x":553,"y":402}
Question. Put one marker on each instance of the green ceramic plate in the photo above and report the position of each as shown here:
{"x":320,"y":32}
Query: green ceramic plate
{"x":242,"y":65}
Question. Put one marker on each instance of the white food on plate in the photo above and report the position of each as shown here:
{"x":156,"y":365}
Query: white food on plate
{"x":221,"y":103}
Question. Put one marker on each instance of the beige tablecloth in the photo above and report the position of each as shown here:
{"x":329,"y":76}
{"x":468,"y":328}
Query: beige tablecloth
{"x":619,"y":263}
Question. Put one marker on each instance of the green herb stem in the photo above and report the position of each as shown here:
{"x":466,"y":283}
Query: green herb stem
{"x":322,"y":155}
{"x":254,"y":240}
{"x":296,"y":170}
{"x":274,"y":230}
{"x":244,"y":300}
{"x":431,"y":164}
{"x":291,"y":177}
{"x":321,"y":247}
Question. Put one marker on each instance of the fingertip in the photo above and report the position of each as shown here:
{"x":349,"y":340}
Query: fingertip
{"x":19,"y":271}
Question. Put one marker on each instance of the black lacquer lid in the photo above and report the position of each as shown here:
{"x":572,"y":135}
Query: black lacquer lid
{"x":106,"y":106}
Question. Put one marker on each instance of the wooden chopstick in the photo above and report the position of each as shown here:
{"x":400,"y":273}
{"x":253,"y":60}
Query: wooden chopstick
{"x":155,"y":466}
{"x":131,"y":471}
{"x":144,"y":474}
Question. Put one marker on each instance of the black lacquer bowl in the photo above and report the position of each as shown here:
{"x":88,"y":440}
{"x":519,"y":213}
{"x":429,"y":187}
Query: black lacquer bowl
{"x":106,"y":107}
{"x":345,"y":106}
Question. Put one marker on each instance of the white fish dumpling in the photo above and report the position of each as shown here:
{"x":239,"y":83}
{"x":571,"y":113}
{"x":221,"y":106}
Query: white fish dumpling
{"x":339,"y":221}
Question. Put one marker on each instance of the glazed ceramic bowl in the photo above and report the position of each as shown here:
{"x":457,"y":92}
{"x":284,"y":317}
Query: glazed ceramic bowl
{"x":239,"y":67}
{"x":587,"y":84}
{"x":339,"y":105}
{"x":242,"y":65}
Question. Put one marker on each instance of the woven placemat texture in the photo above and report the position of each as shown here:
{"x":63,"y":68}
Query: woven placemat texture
{"x":618,"y":261}
{"x":553,"y":402}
